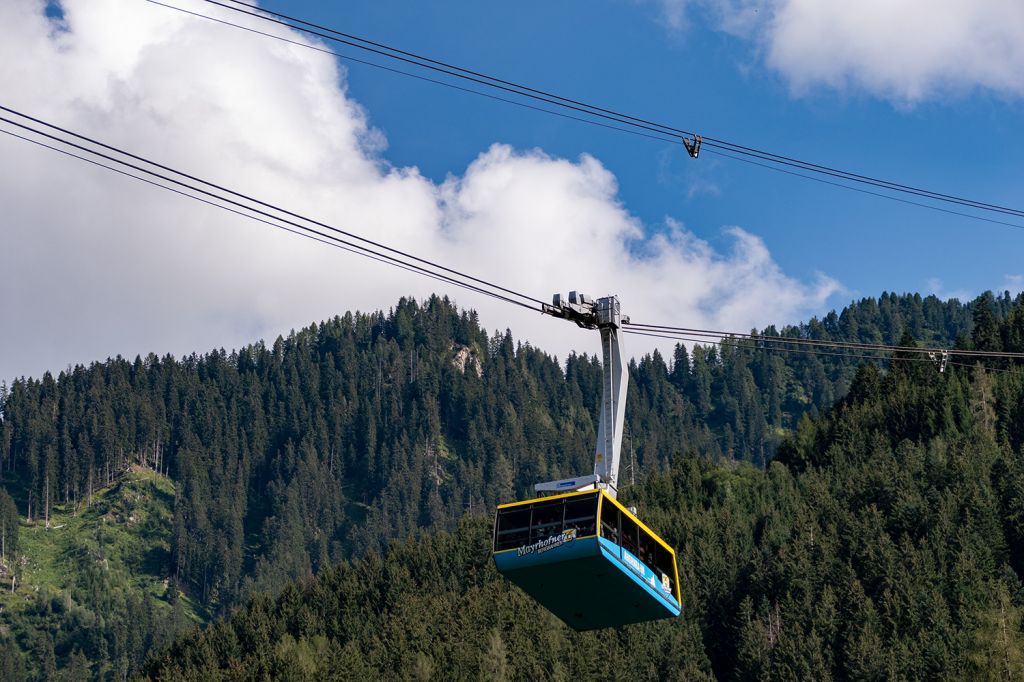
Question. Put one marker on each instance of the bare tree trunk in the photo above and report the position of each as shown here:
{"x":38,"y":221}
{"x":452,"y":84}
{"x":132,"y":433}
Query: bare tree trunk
{"x":1006,"y":640}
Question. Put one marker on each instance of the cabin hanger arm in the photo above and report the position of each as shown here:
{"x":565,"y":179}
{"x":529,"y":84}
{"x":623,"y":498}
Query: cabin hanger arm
{"x":605,"y":315}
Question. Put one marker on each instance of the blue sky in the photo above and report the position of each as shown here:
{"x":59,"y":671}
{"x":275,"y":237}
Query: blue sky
{"x":625,"y":56}
{"x":916,"y":91}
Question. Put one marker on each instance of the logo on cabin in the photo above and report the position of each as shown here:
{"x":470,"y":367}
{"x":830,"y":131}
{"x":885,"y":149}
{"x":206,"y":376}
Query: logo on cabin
{"x":633,"y":562}
{"x":546,"y":544}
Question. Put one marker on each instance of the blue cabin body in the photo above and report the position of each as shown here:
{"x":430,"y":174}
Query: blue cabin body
{"x":587,"y":559}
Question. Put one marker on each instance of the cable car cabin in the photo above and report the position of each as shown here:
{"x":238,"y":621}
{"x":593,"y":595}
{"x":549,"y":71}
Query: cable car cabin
{"x":587,"y":559}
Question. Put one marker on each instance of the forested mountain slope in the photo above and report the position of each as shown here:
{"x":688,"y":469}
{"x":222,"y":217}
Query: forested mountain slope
{"x":364,"y":429}
{"x":886,"y":541}
{"x":92,"y":595}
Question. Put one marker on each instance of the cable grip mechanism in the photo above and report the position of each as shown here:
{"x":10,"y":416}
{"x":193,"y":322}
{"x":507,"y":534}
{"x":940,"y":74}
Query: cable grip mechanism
{"x":692,"y":146}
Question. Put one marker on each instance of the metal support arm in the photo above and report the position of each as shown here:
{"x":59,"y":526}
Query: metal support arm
{"x":613,"y":399}
{"x":605,"y":316}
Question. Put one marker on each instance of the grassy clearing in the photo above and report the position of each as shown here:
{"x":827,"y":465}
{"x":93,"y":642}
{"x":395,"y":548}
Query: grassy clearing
{"x":124,"y":532}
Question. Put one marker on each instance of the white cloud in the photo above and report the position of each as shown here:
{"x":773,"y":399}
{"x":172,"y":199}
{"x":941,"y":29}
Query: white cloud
{"x":903,"y":50}
{"x":935,"y":287}
{"x":96,"y":264}
{"x":1012,"y":283}
{"x":693,"y":179}
{"x":674,"y":13}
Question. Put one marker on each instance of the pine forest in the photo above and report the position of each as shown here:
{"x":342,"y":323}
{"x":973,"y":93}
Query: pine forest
{"x":320,"y":507}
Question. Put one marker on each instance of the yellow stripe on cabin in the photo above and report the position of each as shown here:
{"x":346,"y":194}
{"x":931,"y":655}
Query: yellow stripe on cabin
{"x":548,"y":498}
{"x":578,"y":493}
{"x":641,"y":524}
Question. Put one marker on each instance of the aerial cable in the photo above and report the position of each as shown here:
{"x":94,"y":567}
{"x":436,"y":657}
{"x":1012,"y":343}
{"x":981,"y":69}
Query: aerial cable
{"x":861,"y":190}
{"x":625,"y":117}
{"x":243,"y":196}
{"x":939,"y":196}
{"x":714,"y":334}
{"x":737,"y":343}
{"x":348,"y":58}
{"x":329,"y":240}
{"x":309,"y":235}
{"x":464,"y":74}
{"x":676,"y":134}
{"x":884,"y":184}
{"x":255,"y":200}
{"x":711,"y":141}
{"x":362,"y":249}
{"x":657,"y":331}
{"x":819,"y":342}
{"x":767,"y":339}
{"x":669,"y":137}
{"x":599,"y":124}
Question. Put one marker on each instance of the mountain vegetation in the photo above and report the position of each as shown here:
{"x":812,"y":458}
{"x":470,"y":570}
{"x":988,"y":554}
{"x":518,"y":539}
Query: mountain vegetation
{"x":885,"y":541}
{"x":86,"y":594}
{"x":314,"y":455}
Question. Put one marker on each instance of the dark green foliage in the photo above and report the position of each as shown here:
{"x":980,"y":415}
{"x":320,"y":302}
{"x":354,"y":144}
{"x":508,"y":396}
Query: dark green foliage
{"x":882,"y":544}
{"x":8,"y":531}
{"x":342,"y":437}
{"x":887,"y":560}
{"x":89,"y":599}
{"x":435,"y":605}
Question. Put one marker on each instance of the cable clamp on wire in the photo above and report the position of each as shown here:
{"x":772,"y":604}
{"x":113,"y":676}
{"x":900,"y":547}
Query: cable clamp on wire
{"x":940,"y":358}
{"x":692,"y":146}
